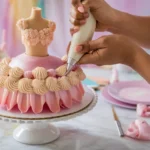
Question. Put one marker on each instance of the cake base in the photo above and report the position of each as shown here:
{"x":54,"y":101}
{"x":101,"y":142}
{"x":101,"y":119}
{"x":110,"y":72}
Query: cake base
{"x":36,"y":129}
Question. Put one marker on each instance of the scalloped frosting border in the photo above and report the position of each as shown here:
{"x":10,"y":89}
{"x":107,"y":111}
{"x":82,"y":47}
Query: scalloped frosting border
{"x":39,"y":80}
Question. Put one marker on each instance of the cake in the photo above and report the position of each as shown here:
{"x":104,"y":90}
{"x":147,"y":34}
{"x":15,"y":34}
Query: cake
{"x":34,"y":79}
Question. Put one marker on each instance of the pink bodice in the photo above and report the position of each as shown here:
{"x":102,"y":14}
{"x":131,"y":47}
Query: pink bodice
{"x":33,"y":36}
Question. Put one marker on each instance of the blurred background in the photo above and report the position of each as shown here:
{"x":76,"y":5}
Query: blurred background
{"x":55,"y":10}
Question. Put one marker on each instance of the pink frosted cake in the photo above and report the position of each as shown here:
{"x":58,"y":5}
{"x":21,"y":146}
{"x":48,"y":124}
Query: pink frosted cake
{"x":30,"y":82}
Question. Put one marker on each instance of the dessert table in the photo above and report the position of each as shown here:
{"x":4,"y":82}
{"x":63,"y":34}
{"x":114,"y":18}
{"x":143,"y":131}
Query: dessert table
{"x":94,"y":130}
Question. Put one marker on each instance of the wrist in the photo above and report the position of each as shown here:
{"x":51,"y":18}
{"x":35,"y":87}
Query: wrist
{"x":121,"y":19}
{"x":141,"y":59}
{"x":141,"y":65}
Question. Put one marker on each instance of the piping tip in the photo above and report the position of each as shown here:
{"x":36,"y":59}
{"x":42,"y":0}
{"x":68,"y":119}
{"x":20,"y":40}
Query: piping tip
{"x":69,"y":68}
{"x":71,"y":62}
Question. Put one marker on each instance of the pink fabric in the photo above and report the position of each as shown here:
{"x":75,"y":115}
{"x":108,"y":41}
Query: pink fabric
{"x":139,"y":130}
{"x":143,"y":110}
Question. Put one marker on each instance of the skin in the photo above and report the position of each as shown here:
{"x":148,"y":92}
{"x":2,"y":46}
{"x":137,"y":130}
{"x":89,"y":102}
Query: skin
{"x":123,"y":46}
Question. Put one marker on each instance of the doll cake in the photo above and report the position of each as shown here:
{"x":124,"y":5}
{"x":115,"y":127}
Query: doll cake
{"x":34,"y":79}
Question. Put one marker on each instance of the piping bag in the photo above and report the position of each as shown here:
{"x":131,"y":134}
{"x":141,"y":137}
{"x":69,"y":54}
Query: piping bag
{"x":85,"y":34}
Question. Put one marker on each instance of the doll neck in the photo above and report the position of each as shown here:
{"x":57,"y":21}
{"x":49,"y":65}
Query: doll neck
{"x":36,"y":13}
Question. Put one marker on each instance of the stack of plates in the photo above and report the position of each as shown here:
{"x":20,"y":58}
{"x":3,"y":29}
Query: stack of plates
{"x":127,"y":94}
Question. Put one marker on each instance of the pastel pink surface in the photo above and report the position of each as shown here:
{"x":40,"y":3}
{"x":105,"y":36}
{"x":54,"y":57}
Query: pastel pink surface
{"x":132,"y":92}
{"x":113,"y":101}
{"x":28,"y":63}
{"x":139,"y":130}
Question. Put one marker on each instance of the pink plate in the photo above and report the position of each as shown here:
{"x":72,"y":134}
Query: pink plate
{"x":113,"y":101}
{"x":132,"y":92}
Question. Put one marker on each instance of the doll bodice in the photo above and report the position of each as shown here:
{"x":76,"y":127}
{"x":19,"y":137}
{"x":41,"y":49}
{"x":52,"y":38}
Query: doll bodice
{"x":32,"y":36}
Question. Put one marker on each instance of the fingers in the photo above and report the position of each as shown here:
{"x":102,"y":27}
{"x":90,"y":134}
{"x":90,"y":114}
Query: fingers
{"x":92,"y":45}
{"x":74,"y":30}
{"x":76,"y":14}
{"x":79,"y":13}
{"x":77,"y":22}
{"x":93,"y":58}
{"x":89,"y":59}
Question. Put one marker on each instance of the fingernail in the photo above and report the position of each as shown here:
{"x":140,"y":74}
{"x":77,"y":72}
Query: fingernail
{"x":79,"y":48}
{"x":82,"y":21}
{"x":81,"y":9}
{"x":86,"y":15}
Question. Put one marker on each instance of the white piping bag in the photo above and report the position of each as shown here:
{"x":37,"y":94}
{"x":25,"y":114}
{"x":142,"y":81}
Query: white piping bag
{"x":83,"y":35}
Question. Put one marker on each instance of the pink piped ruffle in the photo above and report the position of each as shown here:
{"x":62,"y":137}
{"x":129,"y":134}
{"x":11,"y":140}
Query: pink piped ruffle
{"x":139,"y":130}
{"x":143,"y":110}
{"x":54,"y":100}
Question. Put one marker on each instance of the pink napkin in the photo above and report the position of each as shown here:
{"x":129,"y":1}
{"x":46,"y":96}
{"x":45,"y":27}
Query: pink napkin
{"x":143,"y":110}
{"x":139,"y":130}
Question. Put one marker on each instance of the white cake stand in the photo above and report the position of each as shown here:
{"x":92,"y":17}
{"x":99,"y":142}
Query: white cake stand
{"x":36,"y":129}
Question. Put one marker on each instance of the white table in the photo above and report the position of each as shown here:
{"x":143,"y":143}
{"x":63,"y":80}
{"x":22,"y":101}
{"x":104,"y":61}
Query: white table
{"x":93,"y":131}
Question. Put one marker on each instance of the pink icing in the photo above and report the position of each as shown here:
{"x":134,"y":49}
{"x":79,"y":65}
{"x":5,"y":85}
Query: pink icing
{"x":51,"y":72}
{"x":143,"y":110}
{"x":54,"y":100}
{"x":27,"y":62}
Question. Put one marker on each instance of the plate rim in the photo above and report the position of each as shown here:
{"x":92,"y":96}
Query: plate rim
{"x":106,"y":99}
{"x":134,"y":102}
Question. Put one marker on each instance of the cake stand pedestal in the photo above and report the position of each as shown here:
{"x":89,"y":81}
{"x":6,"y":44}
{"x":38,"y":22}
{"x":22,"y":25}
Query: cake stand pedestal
{"x":36,"y":133}
{"x":37,"y":128}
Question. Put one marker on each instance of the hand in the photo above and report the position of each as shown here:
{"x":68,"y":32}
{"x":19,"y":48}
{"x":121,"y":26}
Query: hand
{"x":108,"y":50}
{"x":105,"y":15}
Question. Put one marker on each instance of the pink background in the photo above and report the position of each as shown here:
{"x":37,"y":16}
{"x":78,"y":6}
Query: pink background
{"x":58,"y":11}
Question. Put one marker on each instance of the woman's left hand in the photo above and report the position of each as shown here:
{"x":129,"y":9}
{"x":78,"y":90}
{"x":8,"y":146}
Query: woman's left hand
{"x":108,"y":50}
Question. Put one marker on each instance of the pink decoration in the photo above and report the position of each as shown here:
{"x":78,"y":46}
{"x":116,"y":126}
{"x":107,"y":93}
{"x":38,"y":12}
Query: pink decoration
{"x":51,"y":72}
{"x":139,"y":130}
{"x":54,"y":100}
{"x":28,"y":74}
{"x":143,"y":110}
{"x":33,"y":36}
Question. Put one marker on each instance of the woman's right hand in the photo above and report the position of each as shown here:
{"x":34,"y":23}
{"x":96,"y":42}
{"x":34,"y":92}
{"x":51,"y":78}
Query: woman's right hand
{"x":105,"y":15}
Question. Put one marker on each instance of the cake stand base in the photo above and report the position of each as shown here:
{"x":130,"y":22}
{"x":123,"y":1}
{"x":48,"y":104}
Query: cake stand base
{"x":35,"y":128}
{"x":37,"y":133}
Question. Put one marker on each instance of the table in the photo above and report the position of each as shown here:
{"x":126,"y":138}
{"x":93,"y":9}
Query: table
{"x":93,"y":131}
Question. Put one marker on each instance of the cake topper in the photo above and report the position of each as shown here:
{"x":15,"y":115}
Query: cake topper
{"x":37,"y":33}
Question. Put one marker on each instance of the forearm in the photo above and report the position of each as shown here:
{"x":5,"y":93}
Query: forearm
{"x":142,"y":65}
{"x":135,"y":27}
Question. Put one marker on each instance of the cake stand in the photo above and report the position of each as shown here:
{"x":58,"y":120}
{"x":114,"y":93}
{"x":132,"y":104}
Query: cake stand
{"x":36,"y":128}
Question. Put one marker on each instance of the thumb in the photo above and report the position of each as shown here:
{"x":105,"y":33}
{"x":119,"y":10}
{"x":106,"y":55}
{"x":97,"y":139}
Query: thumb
{"x":91,"y":45}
